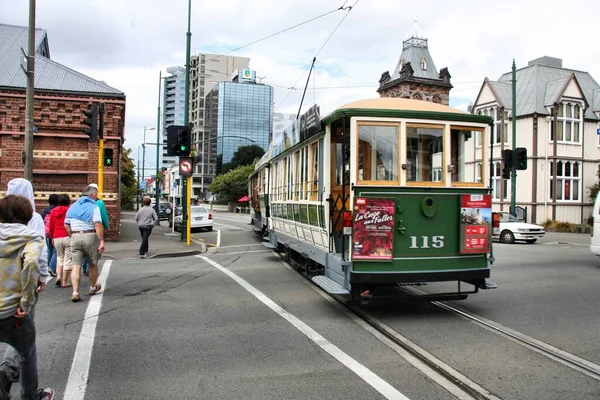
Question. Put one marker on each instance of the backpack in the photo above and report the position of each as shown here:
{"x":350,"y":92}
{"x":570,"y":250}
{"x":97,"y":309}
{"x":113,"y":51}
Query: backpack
{"x":47,"y":225}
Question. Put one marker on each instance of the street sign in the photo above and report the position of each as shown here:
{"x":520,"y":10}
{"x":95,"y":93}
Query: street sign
{"x":598,"y":131}
{"x":186,"y":166}
{"x":143,"y":185}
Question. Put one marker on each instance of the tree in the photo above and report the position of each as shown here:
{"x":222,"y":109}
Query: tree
{"x":231,"y":186}
{"x":244,"y":155}
{"x":128,"y":182}
{"x":595,"y":188}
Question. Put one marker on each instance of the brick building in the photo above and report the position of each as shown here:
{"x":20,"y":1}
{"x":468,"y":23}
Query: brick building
{"x":415,"y":76}
{"x":64,"y":160}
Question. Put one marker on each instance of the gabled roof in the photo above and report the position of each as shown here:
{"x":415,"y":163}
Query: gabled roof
{"x":543,"y":80}
{"x":596,"y":101}
{"x":414,"y":51}
{"x":49,"y":75}
{"x":503,"y":92}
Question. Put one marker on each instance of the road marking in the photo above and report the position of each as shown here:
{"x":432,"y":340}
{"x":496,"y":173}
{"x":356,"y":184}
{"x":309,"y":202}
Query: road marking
{"x":363,"y":372}
{"x":218,"y":238}
{"x":241,"y":252}
{"x":237,"y":228}
{"x":80,"y":368}
{"x":242,"y":245}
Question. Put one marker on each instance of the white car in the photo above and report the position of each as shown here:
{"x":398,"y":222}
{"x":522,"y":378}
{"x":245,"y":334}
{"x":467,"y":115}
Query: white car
{"x":513,"y":229}
{"x":199,"y":218}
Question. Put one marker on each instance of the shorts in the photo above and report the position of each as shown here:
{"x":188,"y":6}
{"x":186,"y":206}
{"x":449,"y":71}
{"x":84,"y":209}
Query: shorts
{"x":85,"y":245}
{"x":64,"y":255}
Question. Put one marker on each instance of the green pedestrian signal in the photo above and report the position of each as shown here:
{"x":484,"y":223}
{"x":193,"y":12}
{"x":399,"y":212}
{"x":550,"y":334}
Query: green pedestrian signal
{"x":108,"y":158}
{"x":521,"y":163}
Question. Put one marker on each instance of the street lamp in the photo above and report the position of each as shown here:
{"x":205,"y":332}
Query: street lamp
{"x":144,"y":151}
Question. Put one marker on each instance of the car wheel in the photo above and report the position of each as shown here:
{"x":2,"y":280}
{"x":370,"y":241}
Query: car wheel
{"x":507,"y":237}
{"x":531,"y":241}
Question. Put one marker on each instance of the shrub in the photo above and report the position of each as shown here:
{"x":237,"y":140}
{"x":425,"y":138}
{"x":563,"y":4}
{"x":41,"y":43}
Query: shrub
{"x":558,"y":226}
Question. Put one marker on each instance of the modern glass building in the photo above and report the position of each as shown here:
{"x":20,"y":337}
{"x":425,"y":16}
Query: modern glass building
{"x":238,"y":114}
{"x":173,"y":108}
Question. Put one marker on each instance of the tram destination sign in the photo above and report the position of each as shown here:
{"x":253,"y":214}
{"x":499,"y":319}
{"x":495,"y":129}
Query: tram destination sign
{"x":476,"y":223}
{"x":373,"y":229}
{"x":309,"y":124}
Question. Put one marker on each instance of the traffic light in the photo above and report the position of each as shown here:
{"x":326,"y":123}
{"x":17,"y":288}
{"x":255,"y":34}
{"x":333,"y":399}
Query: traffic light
{"x":521,"y":163}
{"x":91,"y":120}
{"x":108,"y":158}
{"x":506,"y":173}
{"x":184,"y":142}
{"x":507,"y":158}
{"x":179,"y":141}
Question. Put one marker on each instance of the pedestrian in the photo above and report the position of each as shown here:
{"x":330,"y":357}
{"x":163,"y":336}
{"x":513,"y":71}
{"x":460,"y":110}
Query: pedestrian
{"x":10,"y":366}
{"x":52,"y":203}
{"x":20,"y":248}
{"x":61,"y":240}
{"x":104,"y":214}
{"x":83,"y":224}
{"x":146,"y":219}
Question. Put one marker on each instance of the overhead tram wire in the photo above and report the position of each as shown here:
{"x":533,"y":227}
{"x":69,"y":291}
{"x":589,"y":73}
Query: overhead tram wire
{"x":285,"y":30}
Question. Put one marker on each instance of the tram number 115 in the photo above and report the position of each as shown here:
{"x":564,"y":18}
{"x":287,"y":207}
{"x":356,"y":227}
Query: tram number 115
{"x":426,"y":242}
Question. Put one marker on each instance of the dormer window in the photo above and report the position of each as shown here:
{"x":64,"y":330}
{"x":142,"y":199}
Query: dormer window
{"x":424,"y":65}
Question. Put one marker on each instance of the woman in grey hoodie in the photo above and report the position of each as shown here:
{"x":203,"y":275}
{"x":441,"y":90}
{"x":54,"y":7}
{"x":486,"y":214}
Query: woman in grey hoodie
{"x":146,"y":219}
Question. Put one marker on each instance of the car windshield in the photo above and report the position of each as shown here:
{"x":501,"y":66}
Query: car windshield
{"x":506,"y":217}
{"x":198,"y":210}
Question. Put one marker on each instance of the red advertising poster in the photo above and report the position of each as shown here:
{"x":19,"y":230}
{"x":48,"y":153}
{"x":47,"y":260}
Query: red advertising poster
{"x":476,"y":223}
{"x":373,"y":229}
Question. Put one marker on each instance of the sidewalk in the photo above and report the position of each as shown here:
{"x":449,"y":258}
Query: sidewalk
{"x":163,"y":244}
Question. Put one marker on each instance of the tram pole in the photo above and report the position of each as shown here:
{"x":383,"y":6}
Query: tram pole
{"x":513,"y":191}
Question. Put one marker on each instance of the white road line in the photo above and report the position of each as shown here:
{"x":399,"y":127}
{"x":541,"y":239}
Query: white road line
{"x":241,"y":252}
{"x":80,"y":368}
{"x":363,"y":372}
{"x":228,"y":226}
{"x":241,"y":245}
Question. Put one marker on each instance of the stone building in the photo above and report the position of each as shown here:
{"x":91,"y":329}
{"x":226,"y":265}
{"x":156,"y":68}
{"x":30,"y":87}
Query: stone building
{"x":415,"y":76}
{"x":65,"y":161}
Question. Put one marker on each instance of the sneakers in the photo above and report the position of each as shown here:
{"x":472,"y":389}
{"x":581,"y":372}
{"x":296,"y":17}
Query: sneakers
{"x":46,"y":394}
{"x":143,"y":255}
{"x":52,"y":273}
{"x":75,"y":298}
{"x":96,"y":289}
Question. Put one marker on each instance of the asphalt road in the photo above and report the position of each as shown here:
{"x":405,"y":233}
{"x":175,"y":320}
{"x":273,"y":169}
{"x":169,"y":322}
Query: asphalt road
{"x":237,"y":323}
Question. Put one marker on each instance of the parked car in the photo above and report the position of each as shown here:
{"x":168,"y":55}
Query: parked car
{"x":513,"y":229}
{"x":199,"y":218}
{"x":164,"y":211}
{"x":595,"y":239}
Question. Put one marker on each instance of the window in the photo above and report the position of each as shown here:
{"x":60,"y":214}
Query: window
{"x":424,"y":147}
{"x":497,"y":182}
{"x":568,"y":181}
{"x":478,"y":169}
{"x":460,"y":171}
{"x":569,"y":123}
{"x":424,"y":65}
{"x":378,"y":153}
{"x":314,"y":183}
{"x":498,"y":135}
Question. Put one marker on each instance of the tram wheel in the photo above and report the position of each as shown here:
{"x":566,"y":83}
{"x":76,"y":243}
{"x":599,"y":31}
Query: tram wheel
{"x":507,"y":237}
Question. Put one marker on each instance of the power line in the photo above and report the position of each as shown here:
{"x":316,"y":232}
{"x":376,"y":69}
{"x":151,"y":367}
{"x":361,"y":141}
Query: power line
{"x":282,"y":31}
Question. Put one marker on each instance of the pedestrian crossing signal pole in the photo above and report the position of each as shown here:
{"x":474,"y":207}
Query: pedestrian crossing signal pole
{"x":186,"y":169}
{"x":101,"y":150}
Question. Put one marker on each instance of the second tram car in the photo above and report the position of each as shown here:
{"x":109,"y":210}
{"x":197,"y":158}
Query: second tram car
{"x":381,"y":193}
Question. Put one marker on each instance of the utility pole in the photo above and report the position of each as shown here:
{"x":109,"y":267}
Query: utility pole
{"x":28,"y":148}
{"x":185,"y":233}
{"x":513,"y":192}
{"x":158,"y":143}
{"x":101,"y":150}
{"x":137,"y":197}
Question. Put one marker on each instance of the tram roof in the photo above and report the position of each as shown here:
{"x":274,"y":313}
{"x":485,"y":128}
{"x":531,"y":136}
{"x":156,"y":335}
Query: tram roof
{"x":395,"y":107}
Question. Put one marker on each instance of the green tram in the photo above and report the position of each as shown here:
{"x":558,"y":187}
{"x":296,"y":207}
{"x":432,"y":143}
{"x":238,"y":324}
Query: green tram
{"x":380,"y":193}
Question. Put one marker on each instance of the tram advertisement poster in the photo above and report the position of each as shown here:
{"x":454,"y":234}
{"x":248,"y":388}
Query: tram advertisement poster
{"x":476,"y":223}
{"x":373,"y":229}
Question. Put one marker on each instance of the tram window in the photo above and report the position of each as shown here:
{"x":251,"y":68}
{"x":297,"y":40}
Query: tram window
{"x":377,"y":153}
{"x":462,"y":157}
{"x":425,"y":149}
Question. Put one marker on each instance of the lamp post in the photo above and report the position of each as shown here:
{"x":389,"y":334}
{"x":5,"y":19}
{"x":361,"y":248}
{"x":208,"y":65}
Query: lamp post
{"x":144,"y":152}
{"x":137,"y":195}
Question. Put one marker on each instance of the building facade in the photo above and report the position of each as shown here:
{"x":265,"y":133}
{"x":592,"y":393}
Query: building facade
{"x":206,"y":71}
{"x":557,"y":117}
{"x":238,"y":114}
{"x":64,"y":160}
{"x":173,"y":108}
{"x":415,"y":76}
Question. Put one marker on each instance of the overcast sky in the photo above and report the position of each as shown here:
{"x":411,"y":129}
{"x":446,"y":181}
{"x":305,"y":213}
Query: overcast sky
{"x":127,"y":42}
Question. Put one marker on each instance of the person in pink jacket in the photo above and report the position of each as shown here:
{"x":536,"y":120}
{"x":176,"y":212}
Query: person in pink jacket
{"x":61,"y":240}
